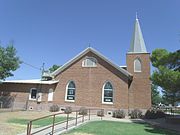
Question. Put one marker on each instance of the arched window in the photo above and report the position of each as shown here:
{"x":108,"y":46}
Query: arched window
{"x":137,"y":65}
{"x":89,"y":62}
{"x":107,"y":93}
{"x":70,"y":91}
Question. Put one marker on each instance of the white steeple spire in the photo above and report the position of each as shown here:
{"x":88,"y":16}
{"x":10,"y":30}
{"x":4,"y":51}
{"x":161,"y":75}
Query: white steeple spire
{"x":137,"y":43}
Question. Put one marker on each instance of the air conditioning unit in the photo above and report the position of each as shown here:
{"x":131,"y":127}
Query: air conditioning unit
{"x":39,"y":97}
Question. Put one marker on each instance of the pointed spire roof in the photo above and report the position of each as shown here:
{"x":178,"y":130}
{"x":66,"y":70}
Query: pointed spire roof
{"x":137,"y":43}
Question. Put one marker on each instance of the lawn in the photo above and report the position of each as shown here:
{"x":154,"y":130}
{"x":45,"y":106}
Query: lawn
{"x":118,"y":128}
{"x":12,"y":123}
{"x":38,"y":123}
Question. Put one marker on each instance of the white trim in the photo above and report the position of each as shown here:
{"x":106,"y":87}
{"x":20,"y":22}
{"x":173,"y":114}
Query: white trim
{"x":89,"y":49}
{"x":67,"y":100}
{"x":31,"y":92}
{"x":137,"y":59}
{"x":50,"y":94}
{"x":138,"y":53}
{"x":103,"y":93}
{"x":35,"y":81}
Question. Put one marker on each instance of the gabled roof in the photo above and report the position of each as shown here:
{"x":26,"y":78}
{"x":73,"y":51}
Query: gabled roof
{"x":90,"y":49}
{"x":137,"y":43}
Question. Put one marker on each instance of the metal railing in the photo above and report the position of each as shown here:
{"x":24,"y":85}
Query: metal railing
{"x":66,"y":122}
{"x":172,"y":111}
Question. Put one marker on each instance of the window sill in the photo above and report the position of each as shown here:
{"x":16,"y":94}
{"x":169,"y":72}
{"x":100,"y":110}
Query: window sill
{"x":89,"y":66}
{"x":72,"y":101}
{"x":50,"y":101}
{"x":31,"y":99}
{"x":107,"y":103}
{"x":137,"y":71}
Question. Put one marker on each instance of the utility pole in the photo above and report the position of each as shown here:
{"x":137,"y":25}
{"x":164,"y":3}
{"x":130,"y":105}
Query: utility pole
{"x":42,"y":70}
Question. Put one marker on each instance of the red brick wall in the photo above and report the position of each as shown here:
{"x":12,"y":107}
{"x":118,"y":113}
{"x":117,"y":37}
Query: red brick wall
{"x":89,"y":83}
{"x":140,"y":88}
{"x":21,"y":94}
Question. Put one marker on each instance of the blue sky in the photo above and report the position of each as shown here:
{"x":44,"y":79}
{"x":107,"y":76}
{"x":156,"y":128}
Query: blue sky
{"x":54,"y":31}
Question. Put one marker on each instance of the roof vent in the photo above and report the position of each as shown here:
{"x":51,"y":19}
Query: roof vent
{"x":46,"y":76}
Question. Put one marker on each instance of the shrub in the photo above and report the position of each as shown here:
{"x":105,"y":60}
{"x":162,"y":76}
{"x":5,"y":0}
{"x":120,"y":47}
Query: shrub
{"x":119,"y":114}
{"x":68,"y":110}
{"x":54,"y":108}
{"x":160,"y":114}
{"x":154,"y":114}
{"x":83,"y":111}
{"x":136,"y":113}
{"x":100,"y":113}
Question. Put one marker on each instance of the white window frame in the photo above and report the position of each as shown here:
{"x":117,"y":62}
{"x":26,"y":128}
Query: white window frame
{"x":137,"y":59}
{"x":84,"y":62}
{"x":103,"y":93}
{"x":66,"y":94}
{"x":50,"y":94}
{"x":31,"y":93}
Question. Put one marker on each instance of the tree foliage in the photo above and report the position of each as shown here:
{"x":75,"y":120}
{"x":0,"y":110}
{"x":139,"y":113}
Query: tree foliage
{"x":167,"y":73}
{"x":53,"y":68}
{"x":156,"y":97}
{"x":9,"y":61}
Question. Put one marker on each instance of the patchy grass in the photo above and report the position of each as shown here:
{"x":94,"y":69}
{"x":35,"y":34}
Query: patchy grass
{"x":38,"y":123}
{"x":13,"y":123}
{"x":118,"y":128}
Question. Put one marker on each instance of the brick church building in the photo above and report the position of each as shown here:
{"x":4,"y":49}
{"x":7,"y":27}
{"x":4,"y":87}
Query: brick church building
{"x":89,"y":80}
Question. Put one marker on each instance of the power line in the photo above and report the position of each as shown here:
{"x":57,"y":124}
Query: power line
{"x":31,"y":65}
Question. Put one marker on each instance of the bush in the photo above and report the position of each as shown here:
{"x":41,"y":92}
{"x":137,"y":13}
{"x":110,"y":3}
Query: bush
{"x":136,"y":113}
{"x":119,"y":114}
{"x":160,"y":114}
{"x":83,"y":111}
{"x":54,"y":108}
{"x":154,"y":114}
{"x":68,"y":110}
{"x":100,"y":113}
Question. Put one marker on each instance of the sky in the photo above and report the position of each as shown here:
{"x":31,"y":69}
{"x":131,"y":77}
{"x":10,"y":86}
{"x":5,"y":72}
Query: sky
{"x":54,"y":31}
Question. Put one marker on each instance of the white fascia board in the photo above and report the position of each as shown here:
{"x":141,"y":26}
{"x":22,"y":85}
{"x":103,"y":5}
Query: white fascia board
{"x":129,"y":75}
{"x":31,"y":81}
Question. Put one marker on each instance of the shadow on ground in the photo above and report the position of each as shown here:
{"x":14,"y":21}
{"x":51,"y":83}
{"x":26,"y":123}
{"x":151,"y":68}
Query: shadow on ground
{"x":156,"y":129}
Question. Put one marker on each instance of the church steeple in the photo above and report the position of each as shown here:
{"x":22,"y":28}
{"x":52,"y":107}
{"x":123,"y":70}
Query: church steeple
{"x":138,"y":64}
{"x":137,"y":43}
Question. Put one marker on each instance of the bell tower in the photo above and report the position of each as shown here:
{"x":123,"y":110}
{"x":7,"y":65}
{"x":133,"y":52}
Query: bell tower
{"x":138,"y":64}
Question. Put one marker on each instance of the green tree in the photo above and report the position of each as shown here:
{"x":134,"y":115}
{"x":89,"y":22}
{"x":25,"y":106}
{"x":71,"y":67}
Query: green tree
{"x":9,"y":61}
{"x":156,"y":97}
{"x":167,"y":73}
{"x":53,"y":68}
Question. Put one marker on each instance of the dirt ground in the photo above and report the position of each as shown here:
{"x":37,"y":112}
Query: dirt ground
{"x":13,"y":129}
